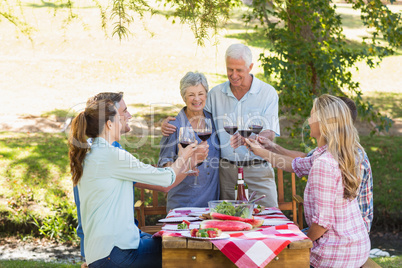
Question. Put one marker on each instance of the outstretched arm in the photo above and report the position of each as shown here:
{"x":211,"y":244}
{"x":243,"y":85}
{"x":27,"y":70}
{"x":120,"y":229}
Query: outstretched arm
{"x":200,"y":154}
{"x":279,"y":161}
{"x":268,"y":144}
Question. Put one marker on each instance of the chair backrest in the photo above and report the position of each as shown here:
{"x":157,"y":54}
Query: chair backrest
{"x":296,"y":201}
{"x":144,"y":210}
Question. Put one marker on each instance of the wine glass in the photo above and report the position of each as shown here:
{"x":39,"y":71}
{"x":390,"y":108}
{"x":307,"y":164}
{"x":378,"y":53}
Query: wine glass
{"x":244,"y":129}
{"x":256,"y":124}
{"x":204,"y":130}
{"x":187,"y":137}
{"x":230,"y":125}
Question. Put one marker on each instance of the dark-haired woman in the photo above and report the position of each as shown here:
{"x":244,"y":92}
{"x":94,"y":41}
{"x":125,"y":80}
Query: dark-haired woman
{"x":104,"y":176}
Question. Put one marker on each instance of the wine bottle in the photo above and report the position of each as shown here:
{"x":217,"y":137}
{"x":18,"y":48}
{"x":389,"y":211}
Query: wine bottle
{"x":240,"y":171}
{"x":241,"y":193}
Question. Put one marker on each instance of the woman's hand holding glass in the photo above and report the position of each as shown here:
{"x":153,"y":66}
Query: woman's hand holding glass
{"x":254,"y":146}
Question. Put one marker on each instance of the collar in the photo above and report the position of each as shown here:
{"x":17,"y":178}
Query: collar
{"x":254,"y":89}
{"x":100,"y":142}
{"x":321,"y":149}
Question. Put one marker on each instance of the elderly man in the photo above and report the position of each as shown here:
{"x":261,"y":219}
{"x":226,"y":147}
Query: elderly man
{"x":242,"y":94}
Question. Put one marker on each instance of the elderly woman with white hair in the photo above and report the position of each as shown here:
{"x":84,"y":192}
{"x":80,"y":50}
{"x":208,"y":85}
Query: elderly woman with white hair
{"x":194,"y":90}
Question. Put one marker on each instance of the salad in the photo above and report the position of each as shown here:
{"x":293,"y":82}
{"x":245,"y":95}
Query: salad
{"x":228,"y":209}
{"x":184,"y":225}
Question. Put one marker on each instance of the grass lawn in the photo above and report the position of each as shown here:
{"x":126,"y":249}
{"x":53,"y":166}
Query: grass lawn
{"x":35,"y":264}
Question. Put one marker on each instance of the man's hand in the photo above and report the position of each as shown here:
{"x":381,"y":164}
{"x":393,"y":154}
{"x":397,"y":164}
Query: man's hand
{"x":236,"y":141}
{"x":84,"y":265}
{"x":267,"y":143}
{"x":167,"y":128}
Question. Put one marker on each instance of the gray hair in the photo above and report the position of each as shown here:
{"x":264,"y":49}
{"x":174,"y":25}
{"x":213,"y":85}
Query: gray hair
{"x":240,"y":52}
{"x":192,"y":79}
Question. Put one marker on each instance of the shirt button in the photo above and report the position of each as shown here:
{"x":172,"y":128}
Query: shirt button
{"x":208,"y":173}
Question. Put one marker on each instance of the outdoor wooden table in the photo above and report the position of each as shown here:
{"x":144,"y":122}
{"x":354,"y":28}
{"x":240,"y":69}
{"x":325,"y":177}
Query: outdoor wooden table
{"x":183,"y":252}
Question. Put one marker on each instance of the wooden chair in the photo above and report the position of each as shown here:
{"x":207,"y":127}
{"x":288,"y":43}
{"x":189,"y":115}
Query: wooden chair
{"x":296,"y":205}
{"x":143,"y":210}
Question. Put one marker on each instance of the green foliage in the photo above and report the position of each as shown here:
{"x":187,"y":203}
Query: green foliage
{"x":310,"y":56}
{"x":13,"y":12}
{"x":203,"y":15}
{"x":121,"y":17}
{"x":61,"y":225}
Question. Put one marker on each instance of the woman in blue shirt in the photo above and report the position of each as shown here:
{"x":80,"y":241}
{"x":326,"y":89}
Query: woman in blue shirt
{"x":193,"y":89}
{"x":104,"y":175}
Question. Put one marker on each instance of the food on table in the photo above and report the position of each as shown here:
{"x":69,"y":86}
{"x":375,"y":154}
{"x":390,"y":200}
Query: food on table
{"x":207,"y":232}
{"x":205,"y":216}
{"x":253,"y":222}
{"x":241,"y":210}
{"x":184,"y":225}
{"x":227,"y":225}
{"x":258,"y":209}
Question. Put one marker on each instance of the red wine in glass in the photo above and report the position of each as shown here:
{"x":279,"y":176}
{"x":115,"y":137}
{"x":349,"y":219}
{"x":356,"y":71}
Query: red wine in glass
{"x":184,"y":144}
{"x":231,"y":129}
{"x":245,"y":133}
{"x":256,"y":129}
{"x":204,"y":135}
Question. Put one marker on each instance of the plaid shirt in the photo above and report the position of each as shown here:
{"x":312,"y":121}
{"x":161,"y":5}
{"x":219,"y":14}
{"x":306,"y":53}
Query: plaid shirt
{"x":302,"y":166}
{"x":346,"y":242}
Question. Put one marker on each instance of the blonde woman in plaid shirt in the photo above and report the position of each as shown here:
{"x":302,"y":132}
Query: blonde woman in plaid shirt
{"x":338,"y":232}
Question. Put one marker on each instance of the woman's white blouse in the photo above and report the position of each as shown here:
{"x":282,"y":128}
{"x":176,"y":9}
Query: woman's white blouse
{"x":106,"y":194}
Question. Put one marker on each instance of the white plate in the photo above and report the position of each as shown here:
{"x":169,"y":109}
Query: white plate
{"x":173,"y":227}
{"x":222,"y":236}
{"x":193,"y":209}
{"x":267,"y":212}
{"x":196,"y":214}
{"x":275,"y":222}
{"x":178,"y":219}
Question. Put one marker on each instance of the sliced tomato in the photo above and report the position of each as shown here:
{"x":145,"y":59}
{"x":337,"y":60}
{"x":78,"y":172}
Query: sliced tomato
{"x":256,"y":210}
{"x":193,"y":232}
{"x":187,"y":222}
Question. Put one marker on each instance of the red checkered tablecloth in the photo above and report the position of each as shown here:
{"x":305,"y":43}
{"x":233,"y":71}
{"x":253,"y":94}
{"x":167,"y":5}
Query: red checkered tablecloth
{"x":258,"y":248}
{"x":255,"y":248}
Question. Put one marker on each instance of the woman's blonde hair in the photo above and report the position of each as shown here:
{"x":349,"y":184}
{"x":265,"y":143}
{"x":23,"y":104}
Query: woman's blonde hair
{"x":336,"y":127}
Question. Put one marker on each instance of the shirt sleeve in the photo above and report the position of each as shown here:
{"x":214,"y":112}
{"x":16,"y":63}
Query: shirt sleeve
{"x":302,"y":165}
{"x":125,"y":166}
{"x":271,"y":113}
{"x":365,"y":197}
{"x":324,"y":182}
